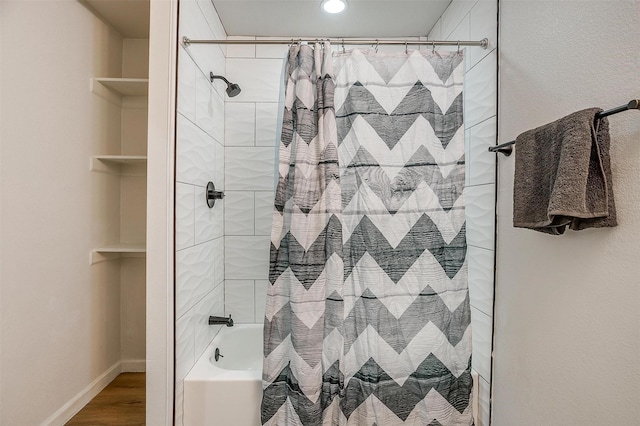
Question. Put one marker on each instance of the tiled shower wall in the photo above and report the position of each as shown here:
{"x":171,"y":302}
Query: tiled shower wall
{"x":250,"y":136}
{"x":199,"y":290}
{"x":474,"y":20}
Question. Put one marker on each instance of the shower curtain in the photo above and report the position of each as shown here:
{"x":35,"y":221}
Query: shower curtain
{"x":367,"y":317}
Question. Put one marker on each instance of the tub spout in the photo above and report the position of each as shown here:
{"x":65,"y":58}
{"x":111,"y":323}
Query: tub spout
{"x":221,"y":321}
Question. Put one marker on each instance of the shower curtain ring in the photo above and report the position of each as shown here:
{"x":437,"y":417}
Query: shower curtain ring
{"x":406,"y":47}
{"x":343,"y":51}
{"x":433,"y":47}
{"x":458,"y":46}
{"x":377,"y":44}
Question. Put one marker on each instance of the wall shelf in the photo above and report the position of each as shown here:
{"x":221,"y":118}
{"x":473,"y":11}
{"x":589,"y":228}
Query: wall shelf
{"x":115,"y":251}
{"x":122,"y":165}
{"x":122,"y":86}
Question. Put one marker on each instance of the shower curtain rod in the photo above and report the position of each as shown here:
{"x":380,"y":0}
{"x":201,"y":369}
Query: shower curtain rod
{"x":507,"y":147}
{"x":347,"y":41}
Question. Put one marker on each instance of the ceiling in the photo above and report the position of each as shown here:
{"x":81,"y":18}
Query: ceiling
{"x":304,"y":18}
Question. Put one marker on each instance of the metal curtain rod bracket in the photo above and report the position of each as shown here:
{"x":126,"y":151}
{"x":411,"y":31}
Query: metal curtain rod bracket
{"x":507,"y":147}
{"x":484,"y":43}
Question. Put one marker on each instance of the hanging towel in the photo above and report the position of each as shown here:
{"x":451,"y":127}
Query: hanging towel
{"x":563,"y":175}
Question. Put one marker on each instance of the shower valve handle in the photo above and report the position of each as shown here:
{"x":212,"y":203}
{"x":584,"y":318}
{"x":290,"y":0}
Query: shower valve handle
{"x":212,"y":195}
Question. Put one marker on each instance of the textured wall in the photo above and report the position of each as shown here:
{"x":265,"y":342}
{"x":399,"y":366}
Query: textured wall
{"x":568,"y":307}
{"x":250,"y":136}
{"x":199,"y":159}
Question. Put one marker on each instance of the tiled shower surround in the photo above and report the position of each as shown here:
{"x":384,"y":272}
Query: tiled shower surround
{"x":199,"y":280}
{"x":222,"y":257}
{"x":250,"y":136}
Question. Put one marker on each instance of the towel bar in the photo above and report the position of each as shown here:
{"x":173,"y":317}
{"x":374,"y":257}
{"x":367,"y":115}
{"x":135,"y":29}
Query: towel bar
{"x":507,"y":147}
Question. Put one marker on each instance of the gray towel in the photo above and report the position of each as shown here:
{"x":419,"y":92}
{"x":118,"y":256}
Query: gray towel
{"x":563,"y":175}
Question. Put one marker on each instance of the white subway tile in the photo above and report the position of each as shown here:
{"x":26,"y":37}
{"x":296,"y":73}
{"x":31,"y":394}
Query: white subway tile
{"x":482,"y":332}
{"x":484,"y":401}
{"x":215,"y":63}
{"x":480,"y":213}
{"x":275,"y":51}
{"x":218,"y":172}
{"x":249,"y":169}
{"x":266,"y":124}
{"x":460,"y":32}
{"x":240,"y":123}
{"x":186,"y":85}
{"x":179,"y":397}
{"x":211,"y":304}
{"x":185,"y":215}
{"x":482,"y":162}
{"x":196,"y":154}
{"x":481,"y":278}
{"x":185,"y":345}
{"x":205,"y":103}
{"x":218,"y":260}
{"x":239,"y":303}
{"x":480,"y":91}
{"x":436,"y":31}
{"x":258,"y":78}
{"x":455,"y":13}
{"x":195,"y":25}
{"x":467,"y":156}
{"x":195,"y":275}
{"x":483,"y":20}
{"x":218,"y":117}
{"x":212,"y":18}
{"x":261,"y":299}
{"x":192,"y":22}
{"x":263,"y":212}
{"x":241,"y":50}
{"x":209,"y":221}
{"x":239,"y":213}
{"x":247,"y":257}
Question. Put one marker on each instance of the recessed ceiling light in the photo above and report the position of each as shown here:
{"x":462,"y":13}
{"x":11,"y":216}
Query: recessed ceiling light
{"x":334,"y":6}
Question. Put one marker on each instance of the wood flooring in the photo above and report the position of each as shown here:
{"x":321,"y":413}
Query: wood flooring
{"x":121,"y":403}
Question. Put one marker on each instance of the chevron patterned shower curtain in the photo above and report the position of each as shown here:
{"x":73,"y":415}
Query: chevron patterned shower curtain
{"x":367,"y":317}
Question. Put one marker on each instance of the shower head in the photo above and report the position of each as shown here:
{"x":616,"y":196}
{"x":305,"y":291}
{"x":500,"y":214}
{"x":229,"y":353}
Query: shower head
{"x":232,"y":88}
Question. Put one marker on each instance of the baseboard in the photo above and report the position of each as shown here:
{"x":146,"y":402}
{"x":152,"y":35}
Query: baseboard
{"x":76,"y":403}
{"x":134,"y":365}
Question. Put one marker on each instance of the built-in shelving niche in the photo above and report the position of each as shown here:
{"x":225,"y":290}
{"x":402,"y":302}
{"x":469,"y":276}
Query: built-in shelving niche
{"x":129,"y":95}
{"x":118,"y":167}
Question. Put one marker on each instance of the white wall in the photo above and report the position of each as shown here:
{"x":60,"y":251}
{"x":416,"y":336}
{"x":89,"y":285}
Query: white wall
{"x":568,"y":307}
{"x":250,"y":136}
{"x":60,"y":317}
{"x":475,"y":20}
{"x":199,"y":159}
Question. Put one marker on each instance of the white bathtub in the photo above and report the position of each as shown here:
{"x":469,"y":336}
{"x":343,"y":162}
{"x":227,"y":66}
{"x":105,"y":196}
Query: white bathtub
{"x":227,"y":392}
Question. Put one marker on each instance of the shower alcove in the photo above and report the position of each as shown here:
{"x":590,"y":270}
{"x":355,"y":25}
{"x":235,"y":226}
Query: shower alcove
{"x":222,"y":255}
